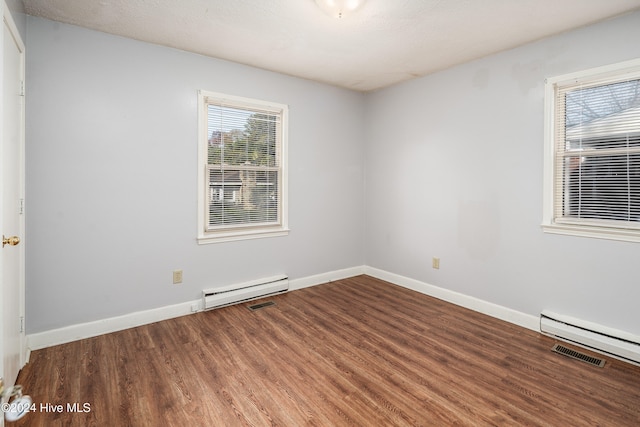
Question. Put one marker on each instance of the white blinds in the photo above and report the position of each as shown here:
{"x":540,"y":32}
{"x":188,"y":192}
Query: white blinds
{"x":244,"y":169}
{"x":597,"y":153}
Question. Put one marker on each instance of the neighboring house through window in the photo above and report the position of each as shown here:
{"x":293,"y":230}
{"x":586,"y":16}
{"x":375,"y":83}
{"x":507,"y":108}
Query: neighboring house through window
{"x":242,"y":168}
{"x":592,"y":153}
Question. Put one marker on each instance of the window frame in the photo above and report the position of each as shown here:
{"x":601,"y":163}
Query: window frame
{"x":612,"y":230}
{"x":241,"y":231}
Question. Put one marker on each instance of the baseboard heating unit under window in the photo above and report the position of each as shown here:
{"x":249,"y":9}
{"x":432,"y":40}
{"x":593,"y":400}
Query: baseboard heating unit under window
{"x":219,"y":297}
{"x":617,"y":343}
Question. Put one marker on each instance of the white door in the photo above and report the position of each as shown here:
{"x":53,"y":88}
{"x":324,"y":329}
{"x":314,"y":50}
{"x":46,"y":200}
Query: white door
{"x":12,"y":344}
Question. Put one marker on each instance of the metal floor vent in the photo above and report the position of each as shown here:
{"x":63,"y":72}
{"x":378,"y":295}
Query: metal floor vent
{"x":577,"y":355}
{"x":265,"y":304}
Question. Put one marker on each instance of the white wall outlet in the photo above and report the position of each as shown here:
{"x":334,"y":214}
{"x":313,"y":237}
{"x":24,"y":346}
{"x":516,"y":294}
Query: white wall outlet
{"x":435,"y":263}
{"x":177,"y":277}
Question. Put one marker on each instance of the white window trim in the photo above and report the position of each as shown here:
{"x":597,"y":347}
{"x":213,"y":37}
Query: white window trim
{"x":248,"y":232}
{"x":549,"y":223}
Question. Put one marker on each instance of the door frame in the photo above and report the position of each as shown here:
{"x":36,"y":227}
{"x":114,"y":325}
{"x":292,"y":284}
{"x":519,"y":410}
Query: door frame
{"x":9,"y":22}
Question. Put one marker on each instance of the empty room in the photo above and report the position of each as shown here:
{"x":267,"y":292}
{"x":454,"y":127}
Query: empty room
{"x":310,"y":212}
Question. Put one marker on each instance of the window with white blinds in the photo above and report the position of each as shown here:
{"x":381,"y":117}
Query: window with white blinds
{"x":242,"y":162}
{"x":593,"y":153}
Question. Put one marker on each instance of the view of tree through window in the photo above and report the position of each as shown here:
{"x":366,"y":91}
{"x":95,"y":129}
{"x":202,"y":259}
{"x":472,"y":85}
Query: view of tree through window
{"x":601,"y":153}
{"x":243,"y":166}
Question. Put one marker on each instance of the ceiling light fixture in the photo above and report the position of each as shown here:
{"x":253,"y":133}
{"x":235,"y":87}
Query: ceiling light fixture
{"x":339,"y":8}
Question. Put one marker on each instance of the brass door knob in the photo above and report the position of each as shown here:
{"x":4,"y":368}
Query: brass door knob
{"x":13,"y":240}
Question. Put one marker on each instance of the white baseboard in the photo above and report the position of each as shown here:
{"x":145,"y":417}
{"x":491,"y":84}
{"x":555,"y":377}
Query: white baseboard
{"x":494,"y":310}
{"x":105,"y":326}
{"x":99,"y":327}
{"x":331,"y":276}
{"x":91,"y":329}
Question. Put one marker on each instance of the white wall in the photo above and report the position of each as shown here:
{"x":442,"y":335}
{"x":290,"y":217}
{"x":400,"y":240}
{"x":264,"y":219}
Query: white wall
{"x":450,"y":164}
{"x":454,"y":170}
{"x":111,"y":177}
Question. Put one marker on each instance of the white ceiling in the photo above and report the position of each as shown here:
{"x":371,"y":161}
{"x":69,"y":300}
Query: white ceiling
{"x":384,"y":42}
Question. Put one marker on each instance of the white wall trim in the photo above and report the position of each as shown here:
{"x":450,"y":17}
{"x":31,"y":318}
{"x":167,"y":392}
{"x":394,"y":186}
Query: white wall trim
{"x":99,"y":327}
{"x":104,"y":326}
{"x":494,"y":310}
{"x":331,"y":276}
{"x":91,"y":329}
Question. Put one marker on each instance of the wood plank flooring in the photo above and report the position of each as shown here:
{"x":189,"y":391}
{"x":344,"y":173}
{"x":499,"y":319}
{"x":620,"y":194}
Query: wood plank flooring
{"x":355,"y":352}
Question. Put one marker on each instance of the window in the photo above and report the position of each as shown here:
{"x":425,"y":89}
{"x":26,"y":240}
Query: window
{"x":242,"y":168}
{"x":592,"y":153}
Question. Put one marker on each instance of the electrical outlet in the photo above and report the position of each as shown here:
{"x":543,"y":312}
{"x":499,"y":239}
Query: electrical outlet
{"x":177,"y":277}
{"x":435,"y":263}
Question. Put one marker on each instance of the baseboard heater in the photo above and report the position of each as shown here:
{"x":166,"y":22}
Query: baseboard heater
{"x":214,"y":298}
{"x":617,"y":343}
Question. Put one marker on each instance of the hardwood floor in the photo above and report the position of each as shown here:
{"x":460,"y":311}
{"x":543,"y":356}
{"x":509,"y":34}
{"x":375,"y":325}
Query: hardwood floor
{"x":356,"y":352}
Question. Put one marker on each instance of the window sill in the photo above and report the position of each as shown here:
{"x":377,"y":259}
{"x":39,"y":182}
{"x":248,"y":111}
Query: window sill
{"x":620,"y":234}
{"x":232,"y":236}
